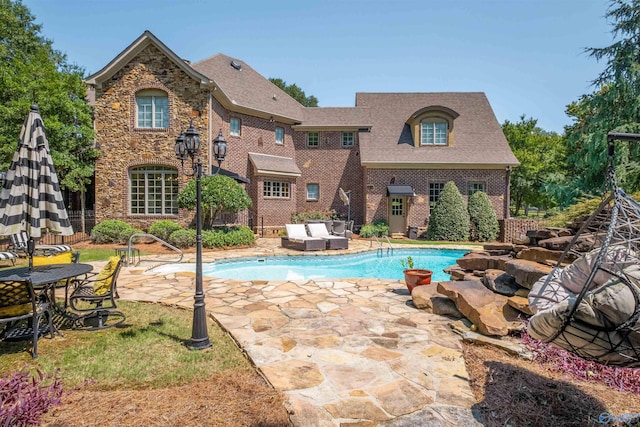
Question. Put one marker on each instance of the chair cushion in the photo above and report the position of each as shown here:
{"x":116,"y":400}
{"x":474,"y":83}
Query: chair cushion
{"x":59,"y":258}
{"x":318,"y":230}
{"x":8,"y":255}
{"x":104,"y":278}
{"x":296,"y":231}
{"x":15,"y":299}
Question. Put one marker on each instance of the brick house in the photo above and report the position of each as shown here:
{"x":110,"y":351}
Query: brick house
{"x":392,"y":152}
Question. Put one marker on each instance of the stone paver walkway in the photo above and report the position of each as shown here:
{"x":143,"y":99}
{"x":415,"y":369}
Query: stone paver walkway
{"x":344,"y":352}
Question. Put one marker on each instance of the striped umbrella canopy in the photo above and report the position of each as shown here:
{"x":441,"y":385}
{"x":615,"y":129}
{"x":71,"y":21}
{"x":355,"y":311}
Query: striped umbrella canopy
{"x":31,"y":200}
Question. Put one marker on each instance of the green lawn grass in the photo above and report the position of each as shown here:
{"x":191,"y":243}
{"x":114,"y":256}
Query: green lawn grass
{"x":147,"y":351}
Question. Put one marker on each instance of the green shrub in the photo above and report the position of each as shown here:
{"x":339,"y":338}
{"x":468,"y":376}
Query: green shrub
{"x":484,"y":222}
{"x":301,"y":217}
{"x":449,"y":219}
{"x":227,"y":237}
{"x":183,"y":238}
{"x":380,"y":227}
{"x":163,"y":229}
{"x":112,"y":231}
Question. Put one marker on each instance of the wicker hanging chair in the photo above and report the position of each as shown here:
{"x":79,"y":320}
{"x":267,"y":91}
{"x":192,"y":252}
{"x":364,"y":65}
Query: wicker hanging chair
{"x":591,"y":307}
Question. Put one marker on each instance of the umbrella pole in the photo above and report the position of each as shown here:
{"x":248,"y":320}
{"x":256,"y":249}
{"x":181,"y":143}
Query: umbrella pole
{"x":31,"y":247}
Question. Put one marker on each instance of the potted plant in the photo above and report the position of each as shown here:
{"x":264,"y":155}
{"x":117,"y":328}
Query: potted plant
{"x":414,"y":276}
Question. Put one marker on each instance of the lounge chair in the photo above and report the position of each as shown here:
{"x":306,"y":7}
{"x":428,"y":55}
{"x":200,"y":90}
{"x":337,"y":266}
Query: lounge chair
{"x":343,"y":229}
{"x":332,"y":242}
{"x":20,"y":241}
{"x":298,"y":239}
{"x":8,"y":256}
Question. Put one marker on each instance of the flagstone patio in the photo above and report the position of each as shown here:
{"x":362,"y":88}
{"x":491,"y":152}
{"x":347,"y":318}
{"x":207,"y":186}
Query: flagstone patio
{"x":344,"y":352}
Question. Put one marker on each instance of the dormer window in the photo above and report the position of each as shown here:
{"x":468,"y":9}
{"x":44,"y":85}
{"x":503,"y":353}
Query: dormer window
{"x":433,"y":132}
{"x":432,"y":126}
{"x":152,"y":109}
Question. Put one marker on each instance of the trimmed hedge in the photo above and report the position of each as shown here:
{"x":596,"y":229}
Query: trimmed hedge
{"x":484,"y":222}
{"x":183,"y":238}
{"x":449,"y":219}
{"x":228,"y":236}
{"x":112,"y":231}
{"x":163,"y":229}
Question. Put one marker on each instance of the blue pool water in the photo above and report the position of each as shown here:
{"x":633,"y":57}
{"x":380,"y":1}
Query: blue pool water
{"x":368,"y":264}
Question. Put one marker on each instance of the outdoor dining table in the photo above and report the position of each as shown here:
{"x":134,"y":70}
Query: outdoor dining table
{"x":44,"y":279}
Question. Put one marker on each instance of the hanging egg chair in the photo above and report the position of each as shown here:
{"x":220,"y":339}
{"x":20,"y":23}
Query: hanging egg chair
{"x":591,"y":306}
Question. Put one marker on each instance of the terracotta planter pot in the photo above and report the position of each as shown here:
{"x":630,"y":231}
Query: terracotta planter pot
{"x":417,"y":277}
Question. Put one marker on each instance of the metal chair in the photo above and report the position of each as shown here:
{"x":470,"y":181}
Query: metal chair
{"x":22,"y":310}
{"x":96,"y":296}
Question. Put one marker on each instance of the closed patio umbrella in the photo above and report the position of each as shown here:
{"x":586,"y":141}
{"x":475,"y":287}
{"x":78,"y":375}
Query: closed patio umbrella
{"x":30,"y":199}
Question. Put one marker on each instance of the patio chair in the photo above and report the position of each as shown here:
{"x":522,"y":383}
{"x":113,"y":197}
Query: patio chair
{"x":332,"y":242}
{"x":22,"y":311}
{"x":9,"y":256}
{"x":343,"y":229}
{"x":96,"y":296}
{"x":20,"y":240}
{"x":298,"y":239}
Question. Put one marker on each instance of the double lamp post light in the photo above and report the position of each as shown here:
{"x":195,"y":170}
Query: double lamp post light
{"x":188,"y":146}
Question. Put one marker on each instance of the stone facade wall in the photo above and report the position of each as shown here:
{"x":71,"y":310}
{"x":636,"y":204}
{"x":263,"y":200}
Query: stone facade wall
{"x":332,"y":166}
{"x":516,"y":228}
{"x":123,"y":146}
{"x":418,"y":209}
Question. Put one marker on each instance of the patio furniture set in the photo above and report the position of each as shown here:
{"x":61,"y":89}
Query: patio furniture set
{"x":28,"y":305}
{"x":317,"y":235}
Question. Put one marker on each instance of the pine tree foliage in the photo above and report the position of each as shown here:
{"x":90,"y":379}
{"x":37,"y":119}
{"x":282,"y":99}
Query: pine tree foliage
{"x":449,"y":219}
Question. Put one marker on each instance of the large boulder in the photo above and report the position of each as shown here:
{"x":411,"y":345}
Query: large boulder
{"x":500,"y":282}
{"x":526,"y":273}
{"x":427,"y":298}
{"x":541,"y":255}
{"x":477,"y":261}
{"x":582,"y":244}
{"x":489,"y":311}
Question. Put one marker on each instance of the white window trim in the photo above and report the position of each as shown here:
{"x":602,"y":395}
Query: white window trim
{"x":165,"y":197}
{"x":280,"y":191}
{"x":317,"y":140}
{"x":434,"y":122}
{"x":350,"y":143}
{"x":153,"y":94}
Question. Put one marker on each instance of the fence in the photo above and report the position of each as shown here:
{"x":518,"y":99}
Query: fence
{"x":76,"y":222}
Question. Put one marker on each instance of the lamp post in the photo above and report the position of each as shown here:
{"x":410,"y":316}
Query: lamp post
{"x":188,"y":146}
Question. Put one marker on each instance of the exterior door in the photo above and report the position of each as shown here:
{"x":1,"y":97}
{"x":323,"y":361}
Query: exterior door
{"x":397,"y":214}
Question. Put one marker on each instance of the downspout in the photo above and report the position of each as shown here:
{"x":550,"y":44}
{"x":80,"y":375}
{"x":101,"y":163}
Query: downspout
{"x":507,"y":196}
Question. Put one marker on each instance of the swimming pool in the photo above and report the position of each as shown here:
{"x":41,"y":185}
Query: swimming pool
{"x":366,"y":264}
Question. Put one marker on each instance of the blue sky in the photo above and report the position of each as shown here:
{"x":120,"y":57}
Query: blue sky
{"x":527,"y":56}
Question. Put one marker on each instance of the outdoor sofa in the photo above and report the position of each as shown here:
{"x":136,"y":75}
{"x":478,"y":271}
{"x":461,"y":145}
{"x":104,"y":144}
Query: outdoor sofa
{"x":332,"y":242}
{"x":298,"y":239}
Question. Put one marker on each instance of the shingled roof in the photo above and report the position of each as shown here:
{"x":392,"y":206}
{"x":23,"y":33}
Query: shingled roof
{"x":240,"y":88}
{"x":342,"y":118}
{"x":478,"y":137}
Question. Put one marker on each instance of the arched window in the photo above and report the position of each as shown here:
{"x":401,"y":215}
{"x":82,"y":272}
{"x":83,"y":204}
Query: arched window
{"x":152,"y":109}
{"x":153,"y":190}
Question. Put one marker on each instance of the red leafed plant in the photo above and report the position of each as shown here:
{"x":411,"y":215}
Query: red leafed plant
{"x":622,"y":379}
{"x":24,"y":398}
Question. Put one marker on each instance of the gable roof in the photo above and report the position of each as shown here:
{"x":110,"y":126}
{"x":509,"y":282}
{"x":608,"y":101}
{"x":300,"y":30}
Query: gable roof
{"x":266,"y":164}
{"x":478,"y":138}
{"x":238,"y":87}
{"x":141,"y":43}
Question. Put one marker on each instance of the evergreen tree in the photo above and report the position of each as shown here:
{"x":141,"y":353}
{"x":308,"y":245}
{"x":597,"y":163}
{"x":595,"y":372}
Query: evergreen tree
{"x":449,"y":219}
{"x":614,"y":106}
{"x":484,"y":222}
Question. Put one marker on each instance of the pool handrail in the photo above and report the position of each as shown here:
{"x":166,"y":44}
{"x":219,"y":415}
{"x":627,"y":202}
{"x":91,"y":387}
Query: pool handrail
{"x":170,"y":246}
{"x":380,"y":248}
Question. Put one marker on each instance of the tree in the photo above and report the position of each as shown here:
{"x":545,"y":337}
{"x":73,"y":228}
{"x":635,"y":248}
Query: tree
{"x":219,"y":194}
{"x":449,"y":219}
{"x":295,"y":92}
{"x":542,"y":163}
{"x":484,"y":222}
{"x":31,"y":71}
{"x":614,"y":106}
